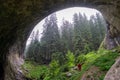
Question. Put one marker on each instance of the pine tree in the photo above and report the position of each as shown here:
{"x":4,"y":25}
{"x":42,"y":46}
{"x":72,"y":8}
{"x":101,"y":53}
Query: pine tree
{"x":50,"y":37}
{"x":67,"y":36}
{"x":78,"y":45}
{"x":97,"y":25}
{"x":33,"y":49}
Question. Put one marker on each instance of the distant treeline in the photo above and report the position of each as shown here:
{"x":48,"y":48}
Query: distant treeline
{"x":79,"y":37}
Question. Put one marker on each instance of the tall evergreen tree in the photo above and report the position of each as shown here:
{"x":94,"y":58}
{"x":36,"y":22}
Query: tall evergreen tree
{"x":34,"y":47}
{"x":67,"y":36}
{"x":77,"y":34}
{"x":97,"y":24}
{"x":50,"y":37}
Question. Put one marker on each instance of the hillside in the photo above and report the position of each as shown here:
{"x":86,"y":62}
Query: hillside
{"x":95,"y":65}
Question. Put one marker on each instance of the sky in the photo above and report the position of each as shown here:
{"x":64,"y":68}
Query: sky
{"x":67,"y":14}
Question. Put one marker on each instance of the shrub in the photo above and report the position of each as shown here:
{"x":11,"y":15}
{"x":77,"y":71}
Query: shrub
{"x":81,"y":59}
{"x":105,"y":61}
{"x":70,"y":59}
{"x":54,"y":72}
{"x":34,"y":71}
{"x":59,"y":56}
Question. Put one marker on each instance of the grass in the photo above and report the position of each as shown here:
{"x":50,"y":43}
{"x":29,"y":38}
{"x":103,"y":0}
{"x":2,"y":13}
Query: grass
{"x":105,"y":61}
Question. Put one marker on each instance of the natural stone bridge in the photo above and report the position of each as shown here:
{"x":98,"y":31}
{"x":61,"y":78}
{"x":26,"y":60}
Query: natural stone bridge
{"x":18,"y":18}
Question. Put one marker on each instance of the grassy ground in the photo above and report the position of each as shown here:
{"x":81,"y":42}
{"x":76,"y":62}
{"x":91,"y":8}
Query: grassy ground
{"x":102,"y":60}
{"x":33,"y":70}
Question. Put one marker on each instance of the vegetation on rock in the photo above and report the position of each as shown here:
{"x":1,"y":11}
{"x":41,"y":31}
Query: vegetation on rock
{"x":101,"y":59}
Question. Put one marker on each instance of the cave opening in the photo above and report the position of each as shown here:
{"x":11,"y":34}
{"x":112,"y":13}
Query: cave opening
{"x":19,"y":18}
{"x":64,"y":37}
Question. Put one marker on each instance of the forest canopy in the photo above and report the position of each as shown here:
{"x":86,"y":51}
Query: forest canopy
{"x":79,"y":37}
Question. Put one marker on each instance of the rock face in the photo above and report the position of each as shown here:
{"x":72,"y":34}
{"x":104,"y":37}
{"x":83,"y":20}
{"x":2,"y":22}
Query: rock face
{"x":114,"y":72}
{"x":18,"y":18}
{"x":92,"y":74}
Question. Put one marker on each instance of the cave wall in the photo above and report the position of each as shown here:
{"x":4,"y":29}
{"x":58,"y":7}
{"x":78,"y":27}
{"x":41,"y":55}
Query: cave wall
{"x":18,"y":18}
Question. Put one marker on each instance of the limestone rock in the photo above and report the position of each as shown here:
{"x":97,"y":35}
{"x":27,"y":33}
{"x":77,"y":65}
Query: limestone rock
{"x":18,"y":18}
{"x":114,"y":72}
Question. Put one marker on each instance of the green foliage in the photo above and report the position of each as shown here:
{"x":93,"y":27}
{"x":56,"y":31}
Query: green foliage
{"x":88,"y":34}
{"x":54,"y":67}
{"x":66,"y":36}
{"x":79,"y":37}
{"x":41,"y":51}
{"x":89,"y":60}
{"x":70,"y":59}
{"x":102,"y":77}
{"x":59,"y":56}
{"x":107,"y":59}
{"x":50,"y":37}
{"x":103,"y":59}
{"x":62,"y":50}
{"x":35,"y":71}
{"x":81,"y":59}
{"x":54,"y":72}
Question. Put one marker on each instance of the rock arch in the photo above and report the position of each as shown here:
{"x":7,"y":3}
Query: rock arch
{"x":17,"y":19}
